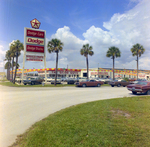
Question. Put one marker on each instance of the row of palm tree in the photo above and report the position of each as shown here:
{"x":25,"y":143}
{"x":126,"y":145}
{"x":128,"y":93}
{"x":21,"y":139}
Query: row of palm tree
{"x":56,"y":46}
{"x":11,"y":54}
{"x":114,"y":52}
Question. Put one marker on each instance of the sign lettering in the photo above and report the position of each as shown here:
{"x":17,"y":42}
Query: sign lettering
{"x":33,"y":48}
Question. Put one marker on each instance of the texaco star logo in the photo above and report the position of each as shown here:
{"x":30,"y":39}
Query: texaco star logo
{"x":35,"y":23}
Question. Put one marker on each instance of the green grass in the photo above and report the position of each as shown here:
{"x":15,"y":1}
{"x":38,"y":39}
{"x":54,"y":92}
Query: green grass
{"x":46,"y":85}
{"x":123,"y":122}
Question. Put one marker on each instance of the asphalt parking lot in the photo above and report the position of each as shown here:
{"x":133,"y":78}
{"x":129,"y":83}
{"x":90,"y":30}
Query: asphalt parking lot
{"x":21,"y":107}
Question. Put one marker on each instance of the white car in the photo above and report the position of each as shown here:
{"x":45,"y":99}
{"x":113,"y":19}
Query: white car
{"x":49,"y":79}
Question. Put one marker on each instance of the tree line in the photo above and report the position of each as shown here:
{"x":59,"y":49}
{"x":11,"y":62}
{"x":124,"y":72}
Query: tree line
{"x":13,"y":53}
{"x":56,"y":46}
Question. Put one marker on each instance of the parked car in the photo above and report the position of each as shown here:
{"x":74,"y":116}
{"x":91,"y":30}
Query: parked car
{"x":58,"y":81}
{"x":71,"y":81}
{"x":105,"y":80}
{"x":89,"y":83}
{"x":33,"y":80}
{"x":82,"y":79}
{"x":64,"y":79}
{"x":18,"y":79}
{"x":49,"y":79}
{"x":119,"y":79}
{"x":119,"y":83}
{"x":141,"y":87}
{"x":136,"y":81}
{"x":132,"y":79}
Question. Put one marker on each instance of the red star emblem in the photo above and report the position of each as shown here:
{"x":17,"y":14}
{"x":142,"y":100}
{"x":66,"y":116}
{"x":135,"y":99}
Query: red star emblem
{"x":35,"y":23}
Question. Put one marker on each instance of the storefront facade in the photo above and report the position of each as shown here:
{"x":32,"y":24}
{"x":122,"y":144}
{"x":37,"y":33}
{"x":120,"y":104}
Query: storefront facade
{"x":93,"y":73}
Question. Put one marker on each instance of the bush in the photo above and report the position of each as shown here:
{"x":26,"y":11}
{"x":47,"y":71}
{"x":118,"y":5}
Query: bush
{"x":126,"y":79}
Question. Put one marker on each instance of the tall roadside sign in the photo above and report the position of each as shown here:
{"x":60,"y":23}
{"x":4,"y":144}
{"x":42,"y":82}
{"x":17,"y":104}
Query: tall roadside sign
{"x":34,"y":44}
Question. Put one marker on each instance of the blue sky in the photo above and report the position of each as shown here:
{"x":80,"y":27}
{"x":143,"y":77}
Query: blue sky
{"x":100,"y":23}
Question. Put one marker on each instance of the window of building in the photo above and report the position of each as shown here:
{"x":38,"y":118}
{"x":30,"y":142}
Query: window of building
{"x":84,"y":74}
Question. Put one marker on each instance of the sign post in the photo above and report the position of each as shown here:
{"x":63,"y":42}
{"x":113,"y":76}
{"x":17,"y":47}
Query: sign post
{"x":34,"y":45}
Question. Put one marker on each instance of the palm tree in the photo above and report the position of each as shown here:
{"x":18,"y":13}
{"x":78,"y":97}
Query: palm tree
{"x":113,"y":52}
{"x":8,"y":63}
{"x":17,"y":65}
{"x":56,"y":46}
{"x":137,"y":50}
{"x":12,"y":55}
{"x":16,"y":48}
{"x":7,"y":66}
{"x":87,"y":50}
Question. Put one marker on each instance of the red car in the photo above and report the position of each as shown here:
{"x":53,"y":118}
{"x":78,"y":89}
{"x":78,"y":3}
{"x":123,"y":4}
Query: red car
{"x":119,"y":83}
{"x":89,"y":83}
{"x":141,"y":87}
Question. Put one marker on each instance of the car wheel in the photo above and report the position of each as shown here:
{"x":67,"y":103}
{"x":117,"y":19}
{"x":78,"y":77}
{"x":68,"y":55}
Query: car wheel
{"x":134,"y":92}
{"x":25,"y":84}
{"x":118,"y":85}
{"x":124,"y":86}
{"x":98,"y":85}
{"x":112,"y":85}
{"x":148,"y":92}
{"x":84,"y":85}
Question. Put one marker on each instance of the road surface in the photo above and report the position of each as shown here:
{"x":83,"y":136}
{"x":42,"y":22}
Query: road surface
{"x":21,"y":107}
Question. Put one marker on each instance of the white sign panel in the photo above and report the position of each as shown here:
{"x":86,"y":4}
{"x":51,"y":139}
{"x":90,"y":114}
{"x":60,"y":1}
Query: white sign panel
{"x":34,"y":58}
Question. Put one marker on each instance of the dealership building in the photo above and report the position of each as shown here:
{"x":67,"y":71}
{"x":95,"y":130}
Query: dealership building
{"x":93,"y":72}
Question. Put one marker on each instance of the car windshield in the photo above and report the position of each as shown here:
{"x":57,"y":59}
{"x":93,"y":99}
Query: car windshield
{"x":141,"y":83}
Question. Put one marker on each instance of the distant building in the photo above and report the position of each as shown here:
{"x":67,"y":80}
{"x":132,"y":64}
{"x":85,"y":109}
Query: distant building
{"x":93,"y":72}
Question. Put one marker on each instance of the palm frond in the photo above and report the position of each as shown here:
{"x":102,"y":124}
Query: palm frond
{"x":55,"y":45}
{"x":86,"y":50}
{"x":137,"y":50}
{"x":113,"y":52}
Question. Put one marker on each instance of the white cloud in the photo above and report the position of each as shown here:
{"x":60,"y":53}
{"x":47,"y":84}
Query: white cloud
{"x":70,"y":41}
{"x":71,"y":50}
{"x":123,"y":31}
{"x":11,"y":43}
{"x":2,"y":57}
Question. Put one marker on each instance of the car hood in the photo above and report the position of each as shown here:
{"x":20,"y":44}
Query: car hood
{"x":135,"y":85}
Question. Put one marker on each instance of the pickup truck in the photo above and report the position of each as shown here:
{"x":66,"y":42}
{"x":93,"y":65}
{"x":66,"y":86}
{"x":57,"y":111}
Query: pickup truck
{"x":33,"y":80}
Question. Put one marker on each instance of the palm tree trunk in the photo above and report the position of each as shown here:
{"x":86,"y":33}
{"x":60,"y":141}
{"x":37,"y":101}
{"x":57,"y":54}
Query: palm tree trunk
{"x":15,"y":69}
{"x":9,"y":70}
{"x":137,"y":65}
{"x":56,"y":67}
{"x":113,"y":68}
{"x":12,"y":67}
{"x":7,"y":73}
{"x":87,"y":64}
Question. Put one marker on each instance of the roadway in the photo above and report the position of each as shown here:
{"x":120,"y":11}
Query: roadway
{"x":21,"y":107}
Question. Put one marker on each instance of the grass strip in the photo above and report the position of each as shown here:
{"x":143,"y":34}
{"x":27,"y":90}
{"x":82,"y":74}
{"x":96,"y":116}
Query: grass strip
{"x":123,"y":122}
{"x":40,"y":85}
